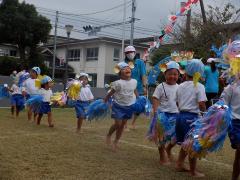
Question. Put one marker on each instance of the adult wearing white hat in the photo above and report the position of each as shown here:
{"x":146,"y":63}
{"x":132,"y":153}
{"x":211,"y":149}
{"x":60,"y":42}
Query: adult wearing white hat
{"x":211,"y":75}
{"x":138,"y":73}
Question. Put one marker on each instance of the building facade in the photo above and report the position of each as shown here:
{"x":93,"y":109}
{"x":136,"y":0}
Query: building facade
{"x":97,"y":57}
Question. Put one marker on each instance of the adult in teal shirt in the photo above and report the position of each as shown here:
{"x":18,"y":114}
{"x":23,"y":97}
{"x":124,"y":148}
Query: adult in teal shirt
{"x":139,"y":70}
{"x":138,"y":73}
{"x":211,"y":81}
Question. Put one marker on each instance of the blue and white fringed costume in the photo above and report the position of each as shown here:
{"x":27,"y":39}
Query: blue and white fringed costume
{"x":35,"y":102}
{"x":162,"y":128}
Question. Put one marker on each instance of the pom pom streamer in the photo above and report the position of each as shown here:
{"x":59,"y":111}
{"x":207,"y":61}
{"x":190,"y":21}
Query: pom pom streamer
{"x":139,"y":106}
{"x":209,"y":132}
{"x":4,"y":92}
{"x":97,"y":110}
{"x":34,"y":102}
{"x":73,"y":89}
{"x":59,"y":98}
{"x":23,"y":76}
{"x":148,"y":108}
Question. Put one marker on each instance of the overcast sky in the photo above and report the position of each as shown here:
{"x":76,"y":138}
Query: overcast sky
{"x":152,"y":13}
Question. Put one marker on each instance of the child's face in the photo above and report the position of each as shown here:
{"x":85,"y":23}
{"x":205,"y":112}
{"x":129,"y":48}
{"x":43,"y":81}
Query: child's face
{"x":125,"y":73}
{"x":33,"y":74}
{"x":171,"y":76}
{"x":84,"y":80}
{"x":48,"y":85}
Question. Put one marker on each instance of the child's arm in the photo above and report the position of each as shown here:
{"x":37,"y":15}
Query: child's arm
{"x":136,"y":93}
{"x":10,"y":90}
{"x":202,"y":106}
{"x":112,"y":91}
{"x":155,"y":104}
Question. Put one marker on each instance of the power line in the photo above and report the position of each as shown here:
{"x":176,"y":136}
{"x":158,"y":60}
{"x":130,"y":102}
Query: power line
{"x":90,"y":19}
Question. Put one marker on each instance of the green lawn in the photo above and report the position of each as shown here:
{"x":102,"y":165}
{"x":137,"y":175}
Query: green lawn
{"x":28,"y":151}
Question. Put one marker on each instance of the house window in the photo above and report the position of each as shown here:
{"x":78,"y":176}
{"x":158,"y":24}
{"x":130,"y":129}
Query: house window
{"x":93,"y":82}
{"x":92,"y":54}
{"x":74,"y":55}
{"x":13,"y":53}
{"x":116,"y":54}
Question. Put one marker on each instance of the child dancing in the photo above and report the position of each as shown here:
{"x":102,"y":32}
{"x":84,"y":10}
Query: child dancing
{"x":30,"y":88}
{"x":124,"y":95}
{"x":191,"y":100}
{"x":17,"y":99}
{"x":83,"y":100}
{"x":164,"y":106}
{"x":45,"y":107}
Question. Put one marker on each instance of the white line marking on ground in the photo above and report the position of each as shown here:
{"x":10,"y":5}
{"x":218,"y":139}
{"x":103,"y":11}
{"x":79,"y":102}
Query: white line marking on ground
{"x":29,"y":134}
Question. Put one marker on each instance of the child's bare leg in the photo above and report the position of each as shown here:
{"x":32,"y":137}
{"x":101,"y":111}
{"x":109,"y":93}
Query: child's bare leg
{"x":17,"y":112}
{"x":162,"y":153}
{"x":193,"y":170}
{"x":135,"y":116}
{"x":12,"y":110}
{"x":35,"y":117}
{"x":79,"y":124}
{"x":236,"y":165}
{"x":29,"y":113}
{"x":110,"y":132}
{"x":39,"y":118}
{"x":169,"y":151}
{"x":50,"y":123}
{"x":119,"y":130}
{"x":180,"y":162}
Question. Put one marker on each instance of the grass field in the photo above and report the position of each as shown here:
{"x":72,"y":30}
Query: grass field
{"x":28,"y":151}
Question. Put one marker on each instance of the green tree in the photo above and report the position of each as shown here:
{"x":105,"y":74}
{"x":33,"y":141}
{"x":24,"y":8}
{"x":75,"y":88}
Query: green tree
{"x":21,"y":24}
{"x":203,"y":36}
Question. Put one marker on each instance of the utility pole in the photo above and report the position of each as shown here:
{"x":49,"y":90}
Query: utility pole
{"x":203,"y":12}
{"x":123,"y":28}
{"x":188,"y":24}
{"x":55,"y":46}
{"x":132,"y":21}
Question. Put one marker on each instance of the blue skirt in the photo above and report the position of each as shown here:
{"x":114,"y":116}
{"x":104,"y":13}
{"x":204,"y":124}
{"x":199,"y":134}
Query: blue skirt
{"x":183,"y":124}
{"x":18,"y":101}
{"x":45,"y":108}
{"x":81,"y":108}
{"x":121,"y":112}
{"x":234,"y":134}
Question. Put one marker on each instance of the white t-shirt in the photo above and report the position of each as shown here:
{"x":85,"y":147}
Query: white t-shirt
{"x":16,"y":89}
{"x":46,"y":94}
{"x":29,"y":86}
{"x":168,"y":100}
{"x":188,"y":96}
{"x":85,"y":94}
{"x":124,"y":94}
{"x":231,"y":96}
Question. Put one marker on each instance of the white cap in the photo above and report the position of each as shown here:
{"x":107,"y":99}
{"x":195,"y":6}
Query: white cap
{"x":130,"y":49}
{"x":14,"y":72}
{"x":83,"y":74}
{"x":210,"y":60}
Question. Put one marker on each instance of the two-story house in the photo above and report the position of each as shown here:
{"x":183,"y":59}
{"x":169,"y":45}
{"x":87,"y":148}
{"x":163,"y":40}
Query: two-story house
{"x":96,"y":56}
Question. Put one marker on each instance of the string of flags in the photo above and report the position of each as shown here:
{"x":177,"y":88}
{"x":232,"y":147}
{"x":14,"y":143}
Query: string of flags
{"x":165,"y":34}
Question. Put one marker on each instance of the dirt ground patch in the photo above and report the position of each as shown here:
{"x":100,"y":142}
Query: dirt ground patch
{"x":28,"y":151}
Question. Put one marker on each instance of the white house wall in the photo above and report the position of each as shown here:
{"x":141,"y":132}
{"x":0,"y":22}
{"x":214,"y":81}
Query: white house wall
{"x":104,"y":65}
